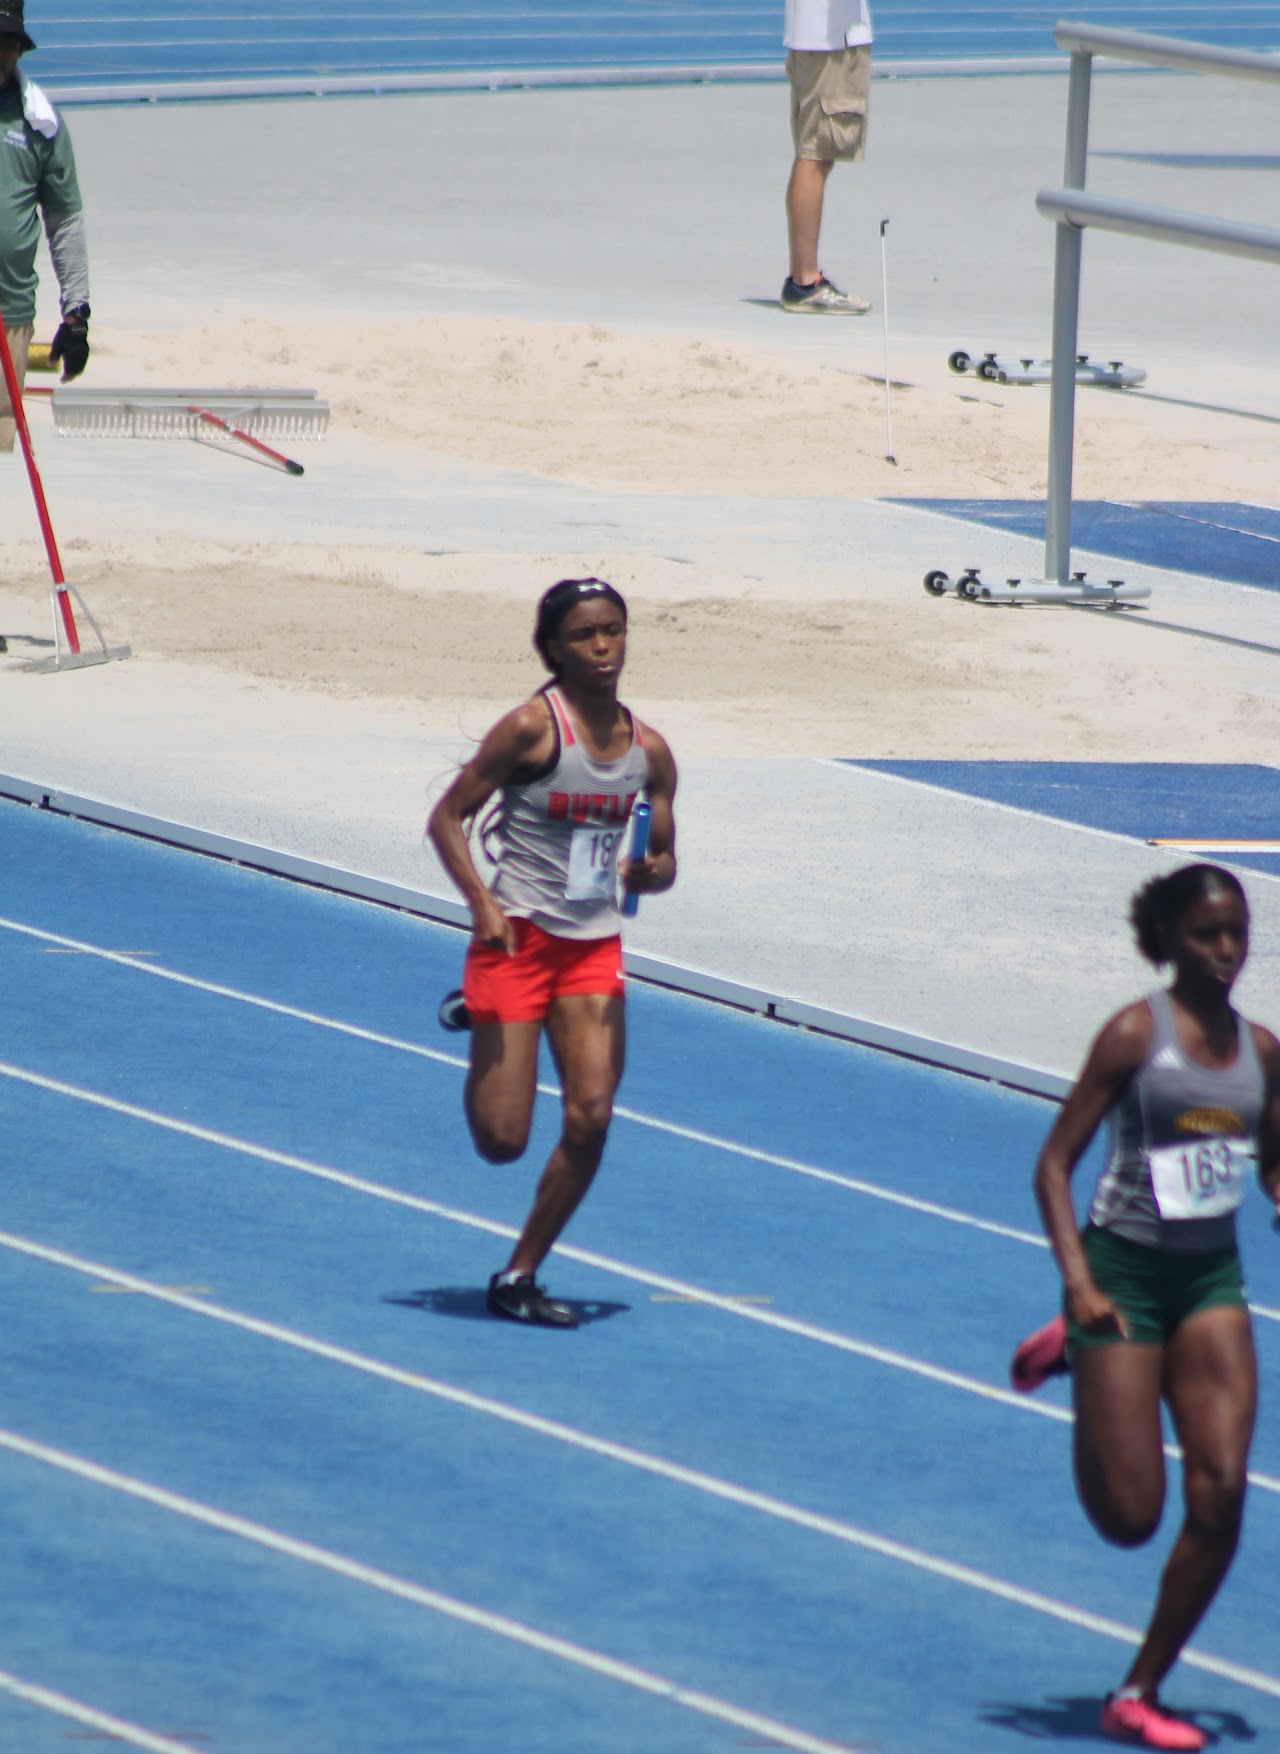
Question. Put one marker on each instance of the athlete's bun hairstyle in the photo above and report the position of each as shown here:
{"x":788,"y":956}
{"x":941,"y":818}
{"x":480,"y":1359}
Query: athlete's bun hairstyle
{"x":1156,"y":907}
{"x":556,"y":603}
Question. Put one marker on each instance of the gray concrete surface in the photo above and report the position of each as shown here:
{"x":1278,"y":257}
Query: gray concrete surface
{"x":655,"y":209}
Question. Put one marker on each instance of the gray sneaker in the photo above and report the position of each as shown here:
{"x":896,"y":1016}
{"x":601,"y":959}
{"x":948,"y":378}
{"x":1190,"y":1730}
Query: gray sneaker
{"x":822,"y":299}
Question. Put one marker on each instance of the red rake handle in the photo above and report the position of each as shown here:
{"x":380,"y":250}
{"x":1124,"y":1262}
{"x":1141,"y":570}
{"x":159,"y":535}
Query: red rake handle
{"x":37,"y":490}
{"x":245,"y":438}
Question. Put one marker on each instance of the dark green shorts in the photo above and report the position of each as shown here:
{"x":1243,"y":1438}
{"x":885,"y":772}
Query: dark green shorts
{"x":1154,"y":1288}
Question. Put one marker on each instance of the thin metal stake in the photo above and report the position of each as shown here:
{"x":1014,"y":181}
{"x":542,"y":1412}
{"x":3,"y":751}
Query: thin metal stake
{"x":884,"y":311}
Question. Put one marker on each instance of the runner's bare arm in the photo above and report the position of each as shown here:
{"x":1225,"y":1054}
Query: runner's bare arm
{"x":1269,"y":1131}
{"x":519,"y":740}
{"x":1120,"y":1048}
{"x":657,"y":870}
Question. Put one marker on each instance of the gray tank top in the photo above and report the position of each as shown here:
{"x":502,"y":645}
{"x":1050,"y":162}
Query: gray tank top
{"x":1175,"y":1107}
{"x":560,"y":834}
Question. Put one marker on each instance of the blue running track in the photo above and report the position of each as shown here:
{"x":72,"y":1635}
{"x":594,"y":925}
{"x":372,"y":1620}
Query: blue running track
{"x":86,"y":43}
{"x":274,"y":1481}
{"x":1208,"y":538}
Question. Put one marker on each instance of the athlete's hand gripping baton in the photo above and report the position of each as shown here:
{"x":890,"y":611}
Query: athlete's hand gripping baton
{"x":641,"y":816}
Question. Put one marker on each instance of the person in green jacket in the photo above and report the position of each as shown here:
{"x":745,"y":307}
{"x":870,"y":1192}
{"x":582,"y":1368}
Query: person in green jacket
{"x":37,"y":183}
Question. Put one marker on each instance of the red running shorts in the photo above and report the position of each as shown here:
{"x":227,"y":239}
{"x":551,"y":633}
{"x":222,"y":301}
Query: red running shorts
{"x":519,"y":988}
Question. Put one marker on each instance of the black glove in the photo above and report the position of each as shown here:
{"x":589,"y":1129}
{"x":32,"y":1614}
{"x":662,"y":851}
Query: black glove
{"x":71,"y":343}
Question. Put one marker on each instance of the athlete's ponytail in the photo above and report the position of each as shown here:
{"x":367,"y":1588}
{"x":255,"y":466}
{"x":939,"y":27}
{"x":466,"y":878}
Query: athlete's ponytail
{"x":1156,"y":907}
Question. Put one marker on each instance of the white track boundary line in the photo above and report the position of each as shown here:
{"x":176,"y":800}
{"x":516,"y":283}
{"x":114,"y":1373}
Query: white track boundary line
{"x":111,"y":1728}
{"x":451,"y":1607}
{"x":692,"y":1135}
{"x":470,"y":1220}
{"x":369,"y":1576}
{"x":534,"y":1422}
{"x":603,"y":1263}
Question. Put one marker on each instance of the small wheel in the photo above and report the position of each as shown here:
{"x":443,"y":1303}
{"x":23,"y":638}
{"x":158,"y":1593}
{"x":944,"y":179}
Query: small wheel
{"x":967,"y":586}
{"x":936,"y":583}
{"x":988,"y":369}
{"x":959,"y":362}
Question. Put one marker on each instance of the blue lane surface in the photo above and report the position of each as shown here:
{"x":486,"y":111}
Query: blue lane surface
{"x":836,"y":1415}
{"x":1216,"y":540}
{"x":82,"y":42}
{"x":1149,"y":800}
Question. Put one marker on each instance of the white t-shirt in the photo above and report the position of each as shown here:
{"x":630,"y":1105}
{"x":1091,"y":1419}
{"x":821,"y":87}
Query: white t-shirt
{"x":826,"y":24}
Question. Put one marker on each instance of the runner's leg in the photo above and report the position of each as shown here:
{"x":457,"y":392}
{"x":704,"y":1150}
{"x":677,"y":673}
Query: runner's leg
{"x":1211,"y":1383}
{"x":502,"y":1083}
{"x":1119,"y":1445}
{"x":588,"y":1038}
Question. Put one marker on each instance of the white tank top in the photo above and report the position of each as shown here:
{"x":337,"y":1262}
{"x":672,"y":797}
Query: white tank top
{"x":560,"y":834}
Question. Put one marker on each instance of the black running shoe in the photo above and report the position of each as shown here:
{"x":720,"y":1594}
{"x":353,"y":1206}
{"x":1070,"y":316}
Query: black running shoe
{"x":522,"y":1300}
{"x":453,"y":1013}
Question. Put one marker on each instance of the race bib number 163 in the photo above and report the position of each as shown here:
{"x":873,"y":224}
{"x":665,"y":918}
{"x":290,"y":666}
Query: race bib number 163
{"x":1205,"y":1178}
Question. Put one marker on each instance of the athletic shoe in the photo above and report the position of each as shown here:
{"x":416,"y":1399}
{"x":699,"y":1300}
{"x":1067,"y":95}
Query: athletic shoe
{"x":1040,"y":1356}
{"x":1140,"y":1719}
{"x":822,"y":299}
{"x":524,"y":1301}
{"x":453,"y":1014}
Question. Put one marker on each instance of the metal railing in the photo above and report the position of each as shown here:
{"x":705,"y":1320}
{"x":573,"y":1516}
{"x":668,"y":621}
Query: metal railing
{"x":1072,"y":211}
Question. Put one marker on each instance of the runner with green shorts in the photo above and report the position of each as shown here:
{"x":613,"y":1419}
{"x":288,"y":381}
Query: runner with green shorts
{"x":1153,"y":1299}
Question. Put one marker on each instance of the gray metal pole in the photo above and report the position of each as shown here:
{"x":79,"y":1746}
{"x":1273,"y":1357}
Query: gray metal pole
{"x":1174,"y":52}
{"x":1067,"y":250}
{"x":1165,"y":225}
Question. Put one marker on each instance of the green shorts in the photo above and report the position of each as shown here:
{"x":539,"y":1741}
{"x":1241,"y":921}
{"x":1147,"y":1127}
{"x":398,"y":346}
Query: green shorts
{"x":1154,"y":1288}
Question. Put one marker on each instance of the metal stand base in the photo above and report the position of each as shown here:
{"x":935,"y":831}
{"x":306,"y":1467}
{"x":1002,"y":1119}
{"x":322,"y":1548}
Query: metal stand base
{"x":77,"y":660}
{"x":1077,"y":589}
{"x":997,"y":369}
{"x":64,"y":629}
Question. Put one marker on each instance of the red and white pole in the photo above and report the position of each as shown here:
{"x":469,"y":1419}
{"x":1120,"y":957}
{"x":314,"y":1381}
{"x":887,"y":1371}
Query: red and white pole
{"x":61,"y":594}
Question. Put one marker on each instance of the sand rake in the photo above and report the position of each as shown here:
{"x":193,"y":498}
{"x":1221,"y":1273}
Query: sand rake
{"x":67,"y":652}
{"x":243,"y":417}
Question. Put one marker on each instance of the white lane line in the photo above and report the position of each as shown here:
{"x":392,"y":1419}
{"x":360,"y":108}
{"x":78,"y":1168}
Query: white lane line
{"x":679,"y":1288}
{"x":871,"y":1190}
{"x":642,"y":1460}
{"x":604,"y":1263}
{"x":110,"y":1728}
{"x":127,"y":959}
{"x":692,"y":1135}
{"x":369,"y":1577}
{"x":518,"y":1632}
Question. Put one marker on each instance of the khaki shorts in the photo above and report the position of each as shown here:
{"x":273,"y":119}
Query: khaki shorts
{"x":19,"y":343}
{"x":830,"y":93}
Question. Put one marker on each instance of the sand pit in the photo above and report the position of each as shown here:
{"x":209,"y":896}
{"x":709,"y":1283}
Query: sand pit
{"x":726,"y":663}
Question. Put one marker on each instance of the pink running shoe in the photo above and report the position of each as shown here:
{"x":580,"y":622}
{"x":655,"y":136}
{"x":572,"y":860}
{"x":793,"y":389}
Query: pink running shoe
{"x":1041,"y":1355}
{"x":1141,"y":1719}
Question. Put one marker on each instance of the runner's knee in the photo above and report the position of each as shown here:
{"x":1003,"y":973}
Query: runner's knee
{"x":1215,"y":1501}
{"x":586,"y":1123}
{"x":1126,"y":1512}
{"x":498,"y":1142}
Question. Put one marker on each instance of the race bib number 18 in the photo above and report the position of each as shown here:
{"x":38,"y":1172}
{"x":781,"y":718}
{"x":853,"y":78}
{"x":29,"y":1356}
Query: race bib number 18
{"x":593,"y":858}
{"x":1205,"y":1178}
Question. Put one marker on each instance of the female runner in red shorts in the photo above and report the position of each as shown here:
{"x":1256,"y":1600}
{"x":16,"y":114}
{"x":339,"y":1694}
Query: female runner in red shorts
{"x":566,"y":768}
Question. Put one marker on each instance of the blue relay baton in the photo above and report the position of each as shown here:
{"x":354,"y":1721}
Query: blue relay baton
{"x":640,"y":819}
